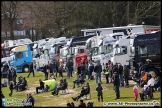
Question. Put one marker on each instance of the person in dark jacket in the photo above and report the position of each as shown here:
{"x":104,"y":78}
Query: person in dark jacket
{"x":120,"y":73}
{"x":18,"y":83}
{"x":126,"y":75}
{"x":98,"y":70}
{"x":51,"y":68}
{"x":57,"y":67}
{"x":115,"y":68}
{"x":46,"y":70}
{"x":99,"y":92}
{"x":82,"y":104}
{"x":31,"y":70}
{"x":30,"y":101}
{"x":11,"y":88}
{"x":9,"y":76}
{"x":90,"y":69}
{"x":40,"y":87}
{"x":62,"y":87}
{"x":82,"y":93}
{"x":69,"y":66}
{"x":83,"y":68}
{"x":116,"y":82}
{"x":22,"y":85}
{"x":79,"y":80}
{"x":14,"y":75}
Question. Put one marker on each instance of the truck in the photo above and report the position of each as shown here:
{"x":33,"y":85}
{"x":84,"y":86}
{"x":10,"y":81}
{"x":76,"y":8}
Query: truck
{"x":134,"y":28}
{"x":71,"y":46}
{"x":100,"y":48}
{"x":145,"y":48}
{"x":8,"y":45}
{"x":55,"y":48}
{"x":21,"y":57}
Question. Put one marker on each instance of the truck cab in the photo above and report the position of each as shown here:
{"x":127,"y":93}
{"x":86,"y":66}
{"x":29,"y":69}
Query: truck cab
{"x":21,"y":57}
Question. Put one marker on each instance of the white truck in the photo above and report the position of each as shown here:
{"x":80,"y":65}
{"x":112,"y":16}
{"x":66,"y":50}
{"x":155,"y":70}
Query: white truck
{"x":55,"y":48}
{"x":124,"y":29}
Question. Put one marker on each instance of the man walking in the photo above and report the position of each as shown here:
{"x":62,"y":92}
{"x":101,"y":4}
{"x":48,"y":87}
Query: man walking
{"x":120,"y":72}
{"x":31,"y":70}
{"x":14,"y":75}
{"x":90,"y":69}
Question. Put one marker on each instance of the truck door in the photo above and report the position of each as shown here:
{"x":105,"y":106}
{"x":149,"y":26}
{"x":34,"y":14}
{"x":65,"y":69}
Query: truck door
{"x":19,"y":59}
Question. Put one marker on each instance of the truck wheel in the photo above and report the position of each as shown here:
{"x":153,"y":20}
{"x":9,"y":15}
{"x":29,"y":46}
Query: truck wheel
{"x":25,"y":68}
{"x":152,"y":72}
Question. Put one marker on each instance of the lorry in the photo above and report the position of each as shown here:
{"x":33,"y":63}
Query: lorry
{"x":8,"y":45}
{"x":55,"y":48}
{"x":145,"y":48}
{"x":21,"y":57}
{"x":134,"y":28}
{"x":71,"y":46}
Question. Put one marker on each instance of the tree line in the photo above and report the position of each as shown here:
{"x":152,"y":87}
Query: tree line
{"x":67,"y":18}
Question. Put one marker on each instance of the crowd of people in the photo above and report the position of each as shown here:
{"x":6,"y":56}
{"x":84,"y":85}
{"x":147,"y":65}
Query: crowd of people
{"x":116,"y":74}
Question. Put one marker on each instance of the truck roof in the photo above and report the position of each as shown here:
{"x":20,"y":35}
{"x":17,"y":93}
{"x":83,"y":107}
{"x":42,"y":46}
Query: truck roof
{"x":147,"y":38}
{"x":19,"y":48}
{"x":121,"y":27}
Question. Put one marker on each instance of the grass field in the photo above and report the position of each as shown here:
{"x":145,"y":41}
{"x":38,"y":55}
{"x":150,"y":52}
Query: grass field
{"x":46,"y":99}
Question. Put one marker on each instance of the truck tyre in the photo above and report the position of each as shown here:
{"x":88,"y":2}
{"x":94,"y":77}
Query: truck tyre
{"x":26,"y":68}
{"x":152,"y":72}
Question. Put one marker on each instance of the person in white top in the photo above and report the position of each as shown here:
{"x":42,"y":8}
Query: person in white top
{"x":150,"y":83}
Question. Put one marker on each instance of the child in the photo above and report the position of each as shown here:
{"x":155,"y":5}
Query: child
{"x":99,"y":92}
{"x":11,"y":88}
{"x":135,"y":90}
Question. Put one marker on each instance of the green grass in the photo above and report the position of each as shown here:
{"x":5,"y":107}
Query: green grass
{"x":46,"y":99}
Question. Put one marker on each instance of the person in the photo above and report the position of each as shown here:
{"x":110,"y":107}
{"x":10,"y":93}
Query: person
{"x":51,"y":76}
{"x":115,"y":68}
{"x":90,"y":104}
{"x":4,"y":84}
{"x":46,"y":70}
{"x":57,"y":85}
{"x":145,"y":90}
{"x":62,"y":87}
{"x":99,"y":92}
{"x":110,"y":66}
{"x":82,"y":93}
{"x":120,"y":73}
{"x":116,"y":82}
{"x":135,"y":91}
{"x":60,"y":69}
{"x":46,"y":89}
{"x":18,"y":83}
{"x":51,"y":68}
{"x":22,"y":85}
{"x":157,"y":83}
{"x":57,"y":67}
{"x":90,"y":69}
{"x":106,"y":72}
{"x":69,"y":66}
{"x":126,"y":75}
{"x":98,"y":70}
{"x":72,"y":104}
{"x":30,"y":101}
{"x":9,"y":76}
{"x":82,"y":104}
{"x":68,"y":105}
{"x":150,"y":83}
{"x":14,"y":75}
{"x":80,"y":79}
{"x":31,"y":70}
{"x":143,"y":79}
{"x":11,"y":88}
{"x":82,"y":68}
{"x":40,"y":87}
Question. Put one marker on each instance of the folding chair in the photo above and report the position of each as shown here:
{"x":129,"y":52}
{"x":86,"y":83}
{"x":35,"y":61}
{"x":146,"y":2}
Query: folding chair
{"x":66,"y":90}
